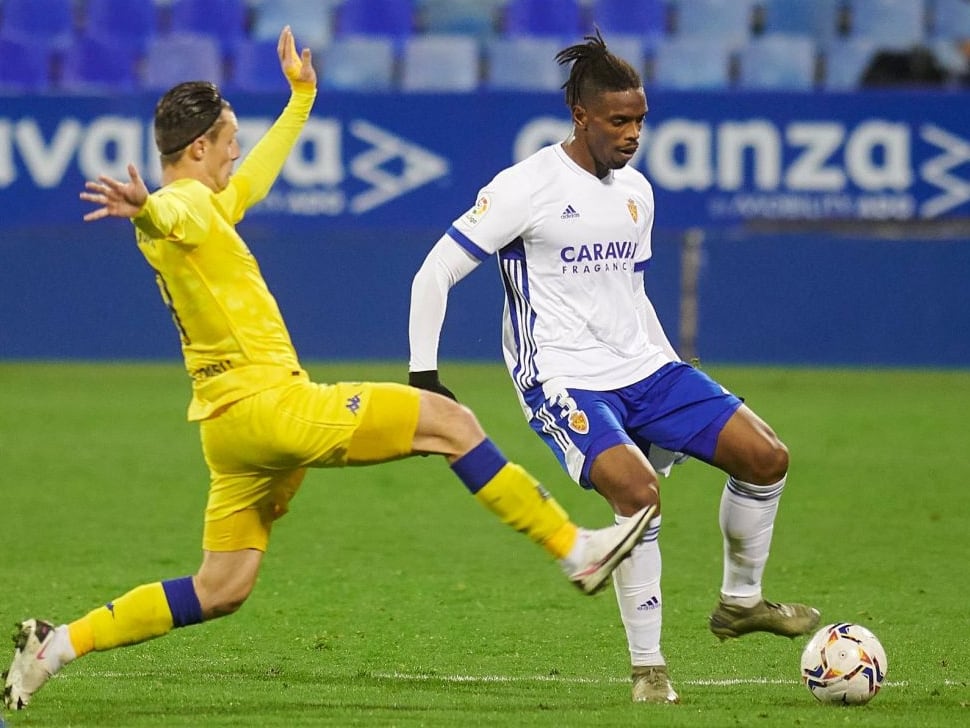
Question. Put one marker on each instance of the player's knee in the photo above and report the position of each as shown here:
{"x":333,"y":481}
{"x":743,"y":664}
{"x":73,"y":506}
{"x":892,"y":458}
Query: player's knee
{"x":771,"y":463}
{"x":223,"y":599}
{"x":457,"y":425}
{"x":630,"y":497}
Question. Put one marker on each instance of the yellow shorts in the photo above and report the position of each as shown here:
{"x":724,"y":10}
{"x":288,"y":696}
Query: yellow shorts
{"x":259,"y":448}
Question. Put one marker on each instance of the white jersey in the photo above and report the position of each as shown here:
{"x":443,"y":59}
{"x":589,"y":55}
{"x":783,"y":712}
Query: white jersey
{"x":571,"y":248}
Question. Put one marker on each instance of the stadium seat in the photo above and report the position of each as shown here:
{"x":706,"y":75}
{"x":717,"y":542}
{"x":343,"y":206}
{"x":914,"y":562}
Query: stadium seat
{"x":440,"y":63}
{"x":845,"y":60}
{"x":479,"y":18}
{"x":391,"y":18}
{"x":523,"y":63}
{"x":46,"y":22}
{"x":96,"y":66}
{"x":559,"y":18}
{"x":24,"y":66}
{"x":818,"y":18}
{"x":891,"y":24}
{"x":225,"y":20}
{"x":777,"y":61}
{"x":255,"y":68}
{"x":178,"y":57}
{"x":692,"y":63}
{"x":358,"y":63}
{"x":951,"y":19}
{"x":122,"y":23}
{"x":950,"y":56}
{"x":646,"y":19}
{"x":631,"y":48}
{"x":726,"y":20}
{"x":312,"y":22}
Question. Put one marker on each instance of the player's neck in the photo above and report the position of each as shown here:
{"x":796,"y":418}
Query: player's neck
{"x":580,"y":154}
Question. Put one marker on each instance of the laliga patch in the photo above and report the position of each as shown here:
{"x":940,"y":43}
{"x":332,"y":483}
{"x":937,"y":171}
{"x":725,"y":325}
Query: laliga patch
{"x":578,"y":422}
{"x":475,"y":215}
{"x":632,"y":207}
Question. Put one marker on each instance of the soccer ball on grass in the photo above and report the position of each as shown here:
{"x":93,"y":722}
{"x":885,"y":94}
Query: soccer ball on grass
{"x":844,"y":663}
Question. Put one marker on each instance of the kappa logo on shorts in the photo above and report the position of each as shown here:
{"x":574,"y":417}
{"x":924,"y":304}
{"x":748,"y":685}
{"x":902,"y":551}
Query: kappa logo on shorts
{"x":353,"y":403}
{"x":578,"y":422}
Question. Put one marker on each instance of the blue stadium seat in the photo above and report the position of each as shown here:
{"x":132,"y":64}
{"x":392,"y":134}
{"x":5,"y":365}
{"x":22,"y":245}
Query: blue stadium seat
{"x":24,"y":66}
{"x":951,"y":19}
{"x":949,"y":54}
{"x":523,"y":63}
{"x":818,"y":18}
{"x":46,"y":22}
{"x":777,"y":61}
{"x":256,"y":68}
{"x":892,"y":24}
{"x":358,"y":63}
{"x":631,"y":48}
{"x":177,"y":57}
{"x":122,"y":23}
{"x":692,"y":62}
{"x":312,"y":22}
{"x":226,"y":20}
{"x":440,"y":62}
{"x":92,"y":65}
{"x":727,"y":20}
{"x":845,"y":61}
{"x":559,"y":18}
{"x":479,"y":18}
{"x":646,"y":19}
{"x":392,"y":18}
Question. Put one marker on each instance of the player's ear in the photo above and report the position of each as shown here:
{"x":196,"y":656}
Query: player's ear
{"x":197,"y":148}
{"x":580,"y":116}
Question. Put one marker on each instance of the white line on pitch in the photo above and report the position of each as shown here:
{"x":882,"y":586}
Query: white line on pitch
{"x":429,"y":677}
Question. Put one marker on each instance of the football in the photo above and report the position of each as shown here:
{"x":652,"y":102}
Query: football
{"x":844,"y":663}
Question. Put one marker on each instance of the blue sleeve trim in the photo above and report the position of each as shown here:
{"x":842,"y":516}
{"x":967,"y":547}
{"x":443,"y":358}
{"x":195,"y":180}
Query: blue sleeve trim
{"x":466,"y":242}
{"x":479,"y":465}
{"x":642,"y":265}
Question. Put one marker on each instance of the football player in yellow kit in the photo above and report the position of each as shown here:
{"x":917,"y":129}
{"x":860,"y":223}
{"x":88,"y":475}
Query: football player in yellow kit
{"x":263,"y":422}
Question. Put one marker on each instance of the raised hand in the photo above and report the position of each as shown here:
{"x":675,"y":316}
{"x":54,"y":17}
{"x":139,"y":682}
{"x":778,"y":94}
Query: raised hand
{"x":116,"y":199}
{"x":298,"y":68}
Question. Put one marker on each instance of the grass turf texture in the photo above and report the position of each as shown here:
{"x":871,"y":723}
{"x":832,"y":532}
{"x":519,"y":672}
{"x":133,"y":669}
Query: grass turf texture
{"x":390,"y":598}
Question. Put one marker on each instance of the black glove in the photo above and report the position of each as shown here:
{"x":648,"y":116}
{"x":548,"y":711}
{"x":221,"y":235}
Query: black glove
{"x":429,"y":380}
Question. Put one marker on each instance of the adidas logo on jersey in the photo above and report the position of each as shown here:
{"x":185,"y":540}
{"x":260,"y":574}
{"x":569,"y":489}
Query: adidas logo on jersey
{"x":568,"y":213}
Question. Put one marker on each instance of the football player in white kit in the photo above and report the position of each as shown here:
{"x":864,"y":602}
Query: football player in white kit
{"x":597,"y":378}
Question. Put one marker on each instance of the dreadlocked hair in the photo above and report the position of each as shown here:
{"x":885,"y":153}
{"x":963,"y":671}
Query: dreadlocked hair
{"x":594,"y":70}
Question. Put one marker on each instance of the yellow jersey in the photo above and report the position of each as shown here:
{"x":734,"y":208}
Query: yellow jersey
{"x":234,"y":340}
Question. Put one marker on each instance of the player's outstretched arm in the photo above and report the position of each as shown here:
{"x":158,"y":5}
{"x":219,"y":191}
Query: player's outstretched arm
{"x":115,"y":199}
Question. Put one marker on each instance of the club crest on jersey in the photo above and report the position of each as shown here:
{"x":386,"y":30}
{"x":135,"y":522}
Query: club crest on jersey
{"x":474,"y":215}
{"x":578,"y":422}
{"x":632,"y":207}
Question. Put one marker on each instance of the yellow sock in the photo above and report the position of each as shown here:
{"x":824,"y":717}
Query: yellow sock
{"x":521,"y":501}
{"x":139,"y":615}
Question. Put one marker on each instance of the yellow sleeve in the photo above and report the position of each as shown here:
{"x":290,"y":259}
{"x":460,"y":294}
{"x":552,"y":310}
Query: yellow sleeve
{"x":258,"y":171}
{"x":182,"y":213}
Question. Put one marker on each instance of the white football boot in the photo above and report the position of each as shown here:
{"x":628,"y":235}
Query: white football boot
{"x":31,"y":666}
{"x":598,"y":552}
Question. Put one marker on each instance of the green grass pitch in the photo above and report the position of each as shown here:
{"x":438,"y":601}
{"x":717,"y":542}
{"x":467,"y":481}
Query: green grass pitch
{"x":390,"y":598}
